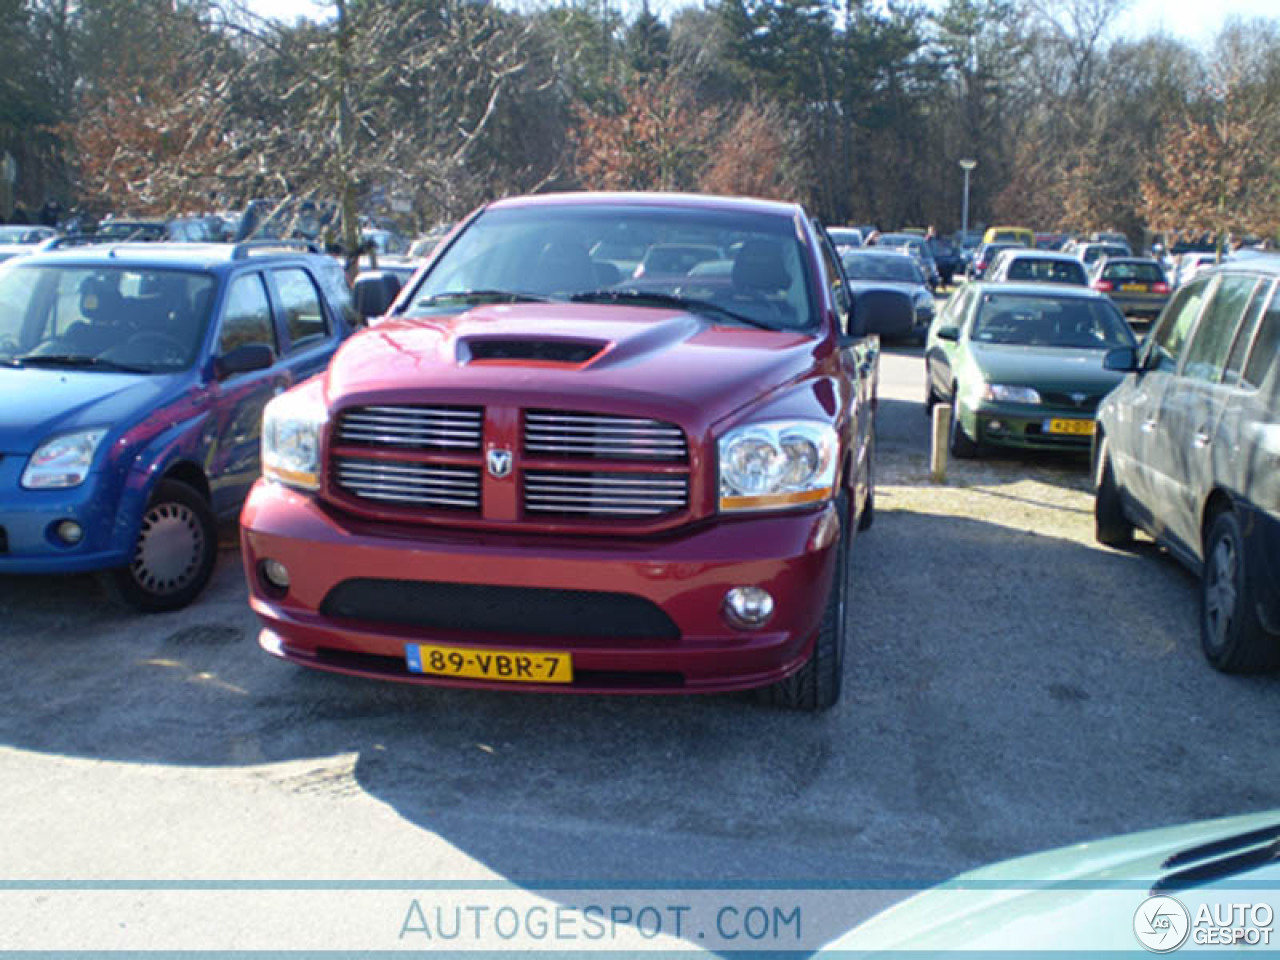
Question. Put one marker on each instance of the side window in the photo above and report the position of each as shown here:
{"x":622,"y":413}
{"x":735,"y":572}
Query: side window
{"x":1207,"y":352}
{"x":835,"y":278}
{"x":334,"y":283}
{"x":958,"y":309}
{"x":1174,"y":327}
{"x":1266,"y":346}
{"x":304,"y":316}
{"x":247,"y":315}
{"x":1244,"y":336}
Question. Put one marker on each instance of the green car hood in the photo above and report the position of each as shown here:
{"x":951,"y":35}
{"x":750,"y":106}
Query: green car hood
{"x":1045,"y":368}
{"x":1082,"y":897}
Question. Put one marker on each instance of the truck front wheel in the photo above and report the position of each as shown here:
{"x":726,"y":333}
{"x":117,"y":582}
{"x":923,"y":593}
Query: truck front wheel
{"x":816,"y":685}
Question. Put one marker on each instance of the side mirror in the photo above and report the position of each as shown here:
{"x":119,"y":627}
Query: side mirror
{"x":949,"y":331}
{"x":244,"y":359}
{"x":1121,"y":360}
{"x":375,"y":292}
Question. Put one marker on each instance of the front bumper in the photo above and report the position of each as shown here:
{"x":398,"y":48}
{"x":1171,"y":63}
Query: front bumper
{"x":29,"y":519}
{"x":1024,"y":427}
{"x":679,"y":579}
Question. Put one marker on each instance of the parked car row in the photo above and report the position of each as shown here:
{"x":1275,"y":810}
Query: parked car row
{"x":1183,"y":429}
{"x":166,"y":358}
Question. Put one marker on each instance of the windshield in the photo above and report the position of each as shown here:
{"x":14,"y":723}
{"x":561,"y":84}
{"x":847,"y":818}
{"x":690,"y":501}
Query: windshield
{"x":1045,"y":270}
{"x":749,"y":264}
{"x":95,"y":316}
{"x":1130,"y":270}
{"x":894,"y":269}
{"x":1071,"y":323}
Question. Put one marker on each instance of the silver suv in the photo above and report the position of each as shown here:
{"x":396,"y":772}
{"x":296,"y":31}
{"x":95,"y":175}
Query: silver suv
{"x":1188,"y":449}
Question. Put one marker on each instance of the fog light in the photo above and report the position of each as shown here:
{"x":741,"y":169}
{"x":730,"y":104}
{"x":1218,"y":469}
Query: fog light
{"x":276,"y":574}
{"x":70,"y":532}
{"x":996,"y":426}
{"x":748,"y":607}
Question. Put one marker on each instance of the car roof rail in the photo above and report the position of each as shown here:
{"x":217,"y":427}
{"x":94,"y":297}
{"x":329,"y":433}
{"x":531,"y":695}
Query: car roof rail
{"x":247,"y":248}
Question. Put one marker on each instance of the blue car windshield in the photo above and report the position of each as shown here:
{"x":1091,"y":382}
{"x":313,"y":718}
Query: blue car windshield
{"x":733,"y":263}
{"x":1046,"y":321}
{"x":103,"y":316}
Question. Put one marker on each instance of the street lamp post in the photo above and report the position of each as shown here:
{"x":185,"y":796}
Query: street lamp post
{"x":967,"y":164}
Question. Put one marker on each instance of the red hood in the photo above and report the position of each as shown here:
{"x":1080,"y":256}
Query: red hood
{"x":671,"y":364}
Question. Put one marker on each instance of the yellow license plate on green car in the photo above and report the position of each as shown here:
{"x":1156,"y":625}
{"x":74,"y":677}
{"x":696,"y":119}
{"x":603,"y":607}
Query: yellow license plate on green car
{"x":1079,"y":428}
{"x":515,"y":666}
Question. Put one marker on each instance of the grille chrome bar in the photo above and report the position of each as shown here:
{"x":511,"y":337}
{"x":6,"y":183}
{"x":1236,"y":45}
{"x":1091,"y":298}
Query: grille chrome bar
{"x":456,"y":428}
{"x":603,"y":436}
{"x":590,"y":494}
{"x":410,"y":483}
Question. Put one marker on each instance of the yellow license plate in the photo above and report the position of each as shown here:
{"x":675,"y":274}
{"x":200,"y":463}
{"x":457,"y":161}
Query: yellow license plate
{"x":1075,"y":427}
{"x":516,"y":666}
{"x":1133,"y":287}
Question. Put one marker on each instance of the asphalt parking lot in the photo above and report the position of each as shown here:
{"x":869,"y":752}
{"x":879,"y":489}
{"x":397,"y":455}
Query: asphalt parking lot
{"x":1011,"y":686}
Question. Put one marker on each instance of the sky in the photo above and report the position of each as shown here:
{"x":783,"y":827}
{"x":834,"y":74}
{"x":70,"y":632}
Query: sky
{"x":1195,"y":21}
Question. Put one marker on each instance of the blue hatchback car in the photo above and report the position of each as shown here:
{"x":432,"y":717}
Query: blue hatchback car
{"x":132,"y":383}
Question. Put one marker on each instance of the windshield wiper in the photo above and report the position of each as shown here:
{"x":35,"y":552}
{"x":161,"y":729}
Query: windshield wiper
{"x":76,"y":360}
{"x":652,"y":298}
{"x":480,"y":296}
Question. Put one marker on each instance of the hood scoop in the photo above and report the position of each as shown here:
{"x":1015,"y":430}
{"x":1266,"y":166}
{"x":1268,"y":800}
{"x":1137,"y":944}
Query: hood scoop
{"x":541,"y":350}
{"x":1220,"y":859}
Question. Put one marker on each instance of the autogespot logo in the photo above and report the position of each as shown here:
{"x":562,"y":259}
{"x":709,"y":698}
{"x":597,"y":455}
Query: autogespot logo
{"x":1161,"y":924}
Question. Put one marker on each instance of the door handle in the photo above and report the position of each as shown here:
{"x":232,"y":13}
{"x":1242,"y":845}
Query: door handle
{"x":1200,"y":439}
{"x":1148,"y":425}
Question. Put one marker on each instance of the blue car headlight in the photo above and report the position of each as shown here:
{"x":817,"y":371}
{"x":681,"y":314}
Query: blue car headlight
{"x":63,"y":461}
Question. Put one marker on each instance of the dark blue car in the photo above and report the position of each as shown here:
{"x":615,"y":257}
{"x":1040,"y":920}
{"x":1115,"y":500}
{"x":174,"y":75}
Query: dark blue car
{"x":132,"y":383}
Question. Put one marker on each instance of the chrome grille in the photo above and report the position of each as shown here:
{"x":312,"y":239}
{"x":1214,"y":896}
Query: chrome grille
{"x":601,"y":436}
{"x":604,"y":494}
{"x":426,"y":428}
{"x":412,"y":484}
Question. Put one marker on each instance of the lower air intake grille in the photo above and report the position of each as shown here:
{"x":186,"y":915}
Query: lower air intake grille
{"x":523,"y":611}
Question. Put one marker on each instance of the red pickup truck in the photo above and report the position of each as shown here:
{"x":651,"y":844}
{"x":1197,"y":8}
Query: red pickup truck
{"x":600,"y":442}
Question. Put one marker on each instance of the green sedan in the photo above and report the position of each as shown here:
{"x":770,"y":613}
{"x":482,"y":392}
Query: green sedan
{"x":1021,"y":364}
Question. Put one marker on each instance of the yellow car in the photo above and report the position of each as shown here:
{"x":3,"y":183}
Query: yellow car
{"x":1009,"y":235}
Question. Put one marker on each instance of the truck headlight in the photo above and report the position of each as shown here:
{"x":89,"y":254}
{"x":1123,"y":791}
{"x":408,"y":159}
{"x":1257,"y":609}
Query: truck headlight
{"x":62,"y":462}
{"x":291,"y":428}
{"x":781,"y":463}
{"x":1003,"y":393}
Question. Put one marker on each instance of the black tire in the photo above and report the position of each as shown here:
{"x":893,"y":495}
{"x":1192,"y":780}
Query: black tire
{"x":963,"y":446}
{"x":1231,"y":634}
{"x":174,"y":555}
{"x":816,"y":685}
{"x":1110,"y":525}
